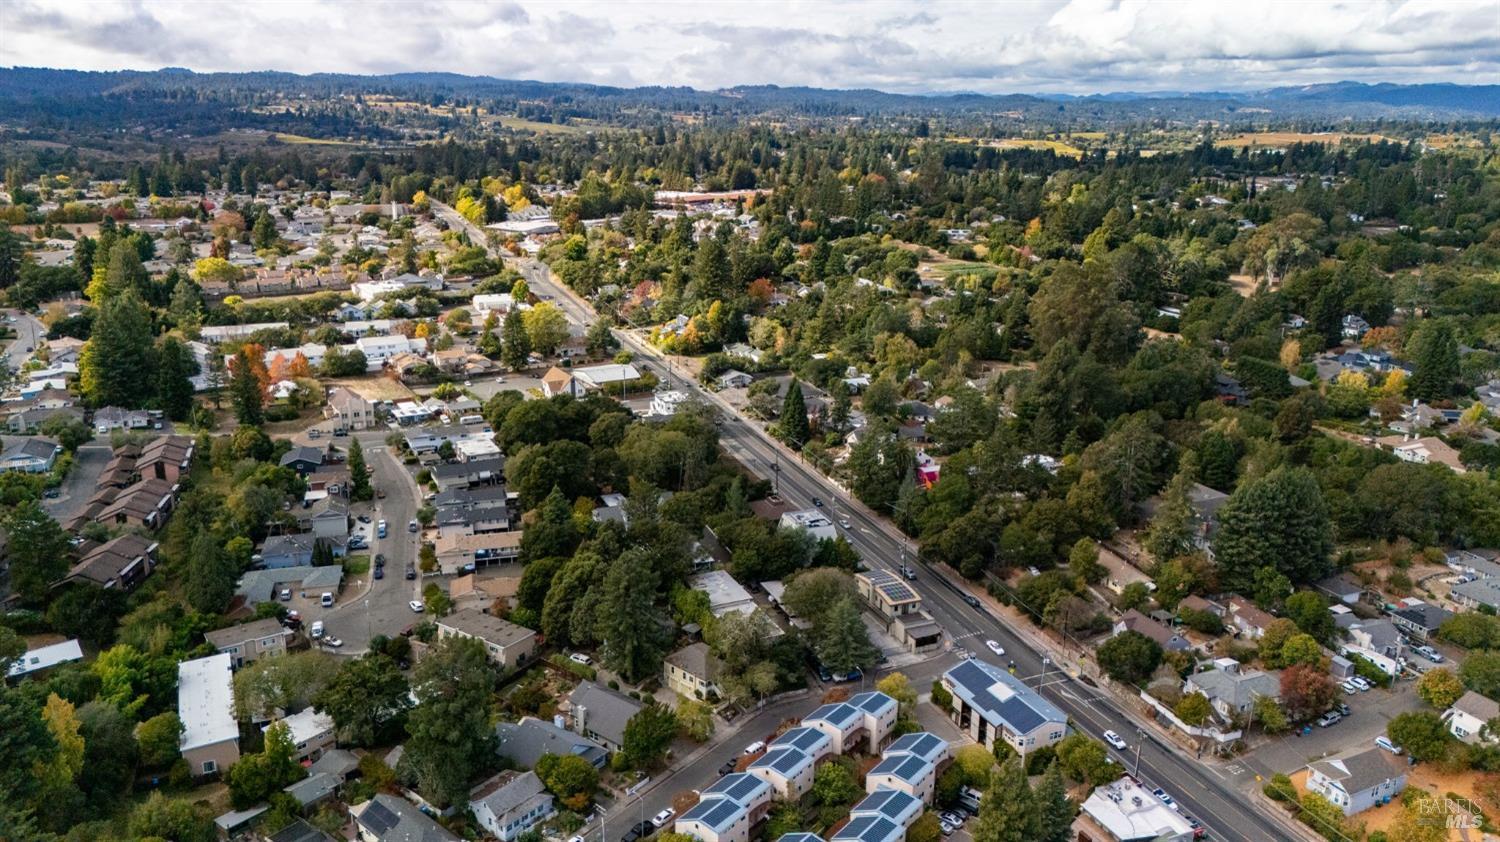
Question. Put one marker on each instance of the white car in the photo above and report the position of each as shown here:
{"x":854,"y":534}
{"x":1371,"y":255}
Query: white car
{"x":1349,"y":687}
{"x":995,"y":647}
{"x":1362,"y":683}
{"x":417,"y":606}
{"x":661,"y":819}
{"x":332,"y":642}
{"x":580,"y":658}
{"x":755,"y":748}
{"x":1114,"y":739}
{"x":317,"y":629}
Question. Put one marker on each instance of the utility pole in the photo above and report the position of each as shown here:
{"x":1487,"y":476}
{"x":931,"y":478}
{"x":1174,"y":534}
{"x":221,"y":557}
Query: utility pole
{"x":1140,"y":738}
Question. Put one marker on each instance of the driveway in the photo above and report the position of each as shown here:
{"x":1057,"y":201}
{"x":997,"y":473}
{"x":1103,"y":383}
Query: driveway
{"x":80,"y":483}
{"x":1368,"y":715}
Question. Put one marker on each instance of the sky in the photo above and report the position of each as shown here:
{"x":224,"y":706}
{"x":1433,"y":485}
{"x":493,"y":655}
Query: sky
{"x":998,"y":46}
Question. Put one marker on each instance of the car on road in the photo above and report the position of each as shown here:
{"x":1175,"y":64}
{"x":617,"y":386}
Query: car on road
{"x":332,"y":642}
{"x":971,"y":600}
{"x":661,"y":819}
{"x":317,"y":629}
{"x":1327,"y":719}
{"x":818,"y":502}
{"x":640,"y":831}
{"x":755,"y":748}
{"x":994,"y":646}
{"x":380,"y":528}
{"x":1165,"y":798}
{"x":416,"y":606}
{"x":411,"y":572}
{"x":413,"y":526}
{"x":1199,"y":831}
{"x":380,"y":559}
{"x":379,"y":573}
{"x":500,"y":379}
{"x":844,"y":522}
{"x":1115,"y":740}
{"x":52,"y":493}
{"x":727,"y":767}
{"x":575,"y":839}
{"x":910,"y":574}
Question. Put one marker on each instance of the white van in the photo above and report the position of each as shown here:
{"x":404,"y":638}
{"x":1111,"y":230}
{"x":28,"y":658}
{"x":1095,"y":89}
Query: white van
{"x":471,"y":419}
{"x":326,"y":600}
{"x":1385,"y":743}
{"x":317,"y":629}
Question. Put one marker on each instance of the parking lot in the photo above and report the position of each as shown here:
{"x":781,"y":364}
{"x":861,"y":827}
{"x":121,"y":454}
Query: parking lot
{"x":1369,"y":713}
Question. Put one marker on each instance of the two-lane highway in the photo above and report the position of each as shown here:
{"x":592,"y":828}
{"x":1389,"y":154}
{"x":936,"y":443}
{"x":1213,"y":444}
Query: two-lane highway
{"x":1197,"y":787}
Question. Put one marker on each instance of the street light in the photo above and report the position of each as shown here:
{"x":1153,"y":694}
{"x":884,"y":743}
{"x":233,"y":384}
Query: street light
{"x":1140,"y":738}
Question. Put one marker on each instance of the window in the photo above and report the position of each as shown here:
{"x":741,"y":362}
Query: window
{"x":210,"y":766}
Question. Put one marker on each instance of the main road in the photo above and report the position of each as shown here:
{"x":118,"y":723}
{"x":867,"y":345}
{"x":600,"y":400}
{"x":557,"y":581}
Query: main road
{"x":1197,"y":787}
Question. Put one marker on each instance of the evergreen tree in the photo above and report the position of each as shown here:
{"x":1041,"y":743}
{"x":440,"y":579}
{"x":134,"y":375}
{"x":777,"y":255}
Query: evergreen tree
{"x":842,"y":641}
{"x":263,"y":235}
{"x":1009,"y":811}
{"x":246,"y":392}
{"x":1278,"y":521}
{"x":1056,"y":811}
{"x":38,"y":550}
{"x":174,"y":386}
{"x":186,"y":305}
{"x":489,"y":343}
{"x":451,"y":739}
{"x":599,"y":339}
{"x":838,"y":413}
{"x":210,"y":575}
{"x":125,"y":272}
{"x":630,"y":622}
{"x":1171,"y":533}
{"x":514,"y":341}
{"x":794,"y":426}
{"x":117,"y":359}
{"x":1436,"y":361}
{"x":359,"y":473}
{"x":10,"y":257}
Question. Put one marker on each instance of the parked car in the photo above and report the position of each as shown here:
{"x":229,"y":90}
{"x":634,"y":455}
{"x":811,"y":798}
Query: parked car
{"x":326,"y":600}
{"x":1327,"y":719}
{"x":1363,"y":683}
{"x":380,"y":528}
{"x":380,"y":559}
{"x":411,"y":572}
{"x":413,"y":526}
{"x":755,"y":748}
{"x":286,"y":594}
{"x":994,"y":646}
{"x":363,"y":518}
{"x":1429,"y":653}
{"x":580,"y":658}
{"x":332,"y":642}
{"x":661,"y":819}
{"x":1342,"y":708}
{"x":908,"y":572}
{"x":1114,"y":739}
{"x":317,"y":629}
{"x":379,"y":573}
{"x":1165,"y":798}
{"x":52,"y":494}
{"x":1349,"y":687}
{"x":1385,"y":743}
{"x":946,"y":828}
{"x":971,"y":600}
{"x":727,"y":767}
{"x":416,"y":606}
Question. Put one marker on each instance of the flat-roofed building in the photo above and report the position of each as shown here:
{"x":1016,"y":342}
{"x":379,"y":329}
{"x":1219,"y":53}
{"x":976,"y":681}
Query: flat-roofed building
{"x":1125,"y":811}
{"x":210,"y":741}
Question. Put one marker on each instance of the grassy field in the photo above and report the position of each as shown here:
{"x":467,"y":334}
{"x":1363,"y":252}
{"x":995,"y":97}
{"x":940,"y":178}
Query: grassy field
{"x":1288,"y":138}
{"x":357,"y":565}
{"x":309,"y":141}
{"x":540,"y":128}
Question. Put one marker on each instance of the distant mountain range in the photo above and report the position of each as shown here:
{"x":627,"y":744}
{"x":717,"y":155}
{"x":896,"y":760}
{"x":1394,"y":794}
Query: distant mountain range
{"x":43,"y":94}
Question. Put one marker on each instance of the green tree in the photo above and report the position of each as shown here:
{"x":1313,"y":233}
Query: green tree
{"x":599,"y":339}
{"x":1194,"y":709}
{"x":263,"y":234}
{"x":834,"y":785}
{"x":451,"y":740}
{"x":695,"y":718}
{"x":1009,"y":811}
{"x":38,"y":550}
{"x":1481,"y":673}
{"x":1130,"y":657}
{"x":174,"y":388}
{"x":1054,"y":806}
{"x":1278,"y":521}
{"x":1435,"y":357}
{"x":841,"y":640}
{"x":117,"y":359}
{"x":110,"y":753}
{"x":794,"y":425}
{"x":1309,"y":611}
{"x":515,"y":342}
{"x":648,"y":735}
{"x":259,"y":776}
{"x":1085,"y":760}
{"x":1171,"y":532}
{"x":58,"y":774}
{"x":159,"y":817}
{"x":810,"y":593}
{"x":546,"y":327}
{"x":365,"y":695}
{"x":1267,"y":711}
{"x":1422,"y":733}
{"x":246,"y":391}
{"x":569,"y":777}
{"x":159,"y":738}
{"x":359,"y":473}
{"x":210,"y":574}
{"x":898,"y":687}
{"x":25,"y":743}
{"x":633,"y":640}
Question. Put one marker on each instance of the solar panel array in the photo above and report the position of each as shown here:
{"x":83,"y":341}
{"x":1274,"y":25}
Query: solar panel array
{"x":893,"y":588}
{"x":1023,"y":709}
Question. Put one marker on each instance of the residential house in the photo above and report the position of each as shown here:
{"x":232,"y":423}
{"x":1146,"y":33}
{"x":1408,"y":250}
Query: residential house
{"x":727,"y":809}
{"x":1359,"y":781}
{"x":865,"y":828}
{"x":459,"y":551}
{"x":1342,"y":587}
{"x":1468,"y":716}
{"x":258,"y":586}
{"x":601,"y":714}
{"x":896,"y":806}
{"x":64,"y":350}
{"x":112,"y":418}
{"x":287,"y":551}
{"x":812,"y":521}
{"x":1427,"y":450}
{"x":1477,"y":594}
{"x":304,"y":459}
{"x":510,"y":804}
{"x":990,"y":704}
{"x":1194,"y":602}
{"x":526,"y":742}
{"x":787,"y":769}
{"x":887,"y":594}
{"x":1167,"y":638}
{"x":312,"y":790}
{"x":735,"y":379}
{"x":1418,"y":619}
{"x":1246,"y":620}
{"x":910,"y":765}
{"x":594,"y":377}
{"x":298,"y":831}
{"x":349,"y":409}
{"x":867,"y":718}
{"x":1232,"y":689}
{"x":378,"y":350}
{"x":386,"y":818}
{"x":470,"y":473}
{"x":26,"y":421}
{"x":216,"y":334}
{"x":210,"y":741}
{"x":692,"y":671}
{"x":146,"y":504}
{"x":1378,"y":641}
{"x":725,"y":595}
{"x":39,"y":660}
{"x":1126,"y":811}
{"x":326,"y":518}
{"x":510,"y":646}
{"x":30,"y":455}
{"x":559,"y":382}
{"x":311,"y":732}
{"x":165,"y":458}
{"x":249,"y":642}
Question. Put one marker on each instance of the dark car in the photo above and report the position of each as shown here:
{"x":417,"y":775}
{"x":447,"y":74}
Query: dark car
{"x":380,"y":559}
{"x":380,"y":572}
{"x":52,"y":494}
{"x":411,"y":572}
{"x":818,"y":501}
{"x":640,"y":831}
{"x":972,"y":600}
{"x":363,"y":518}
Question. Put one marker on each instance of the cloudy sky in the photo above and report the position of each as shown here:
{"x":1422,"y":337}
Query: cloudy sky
{"x":992,"y":46}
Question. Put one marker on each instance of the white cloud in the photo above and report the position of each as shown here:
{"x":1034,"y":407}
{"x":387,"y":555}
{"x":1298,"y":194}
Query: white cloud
{"x":1081,"y":46}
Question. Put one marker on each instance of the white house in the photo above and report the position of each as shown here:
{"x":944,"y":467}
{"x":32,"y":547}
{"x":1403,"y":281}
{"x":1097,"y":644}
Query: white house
{"x":379,"y":349}
{"x":1467,"y":718}
{"x":1360,"y":781}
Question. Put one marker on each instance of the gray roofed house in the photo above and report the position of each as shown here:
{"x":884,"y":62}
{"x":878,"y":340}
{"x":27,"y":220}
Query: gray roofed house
{"x":991,"y":703}
{"x":1165,"y":637}
{"x":1342,"y":587}
{"x":1468,"y":716}
{"x":1477,"y":593}
{"x":524,"y":743}
{"x":507,"y":644}
{"x":258,"y":586}
{"x":1419,"y":619}
{"x":299,"y":831}
{"x":313,"y":789}
{"x":29,"y":455}
{"x":338,"y":762}
{"x":1231,"y":689}
{"x":692,"y":671}
{"x":510,"y":804}
{"x":1195,"y":602}
{"x":1360,"y":781}
{"x":303,"y":459}
{"x":288,"y":550}
{"x":386,"y":818}
{"x":248,"y":642}
{"x":601,"y":714}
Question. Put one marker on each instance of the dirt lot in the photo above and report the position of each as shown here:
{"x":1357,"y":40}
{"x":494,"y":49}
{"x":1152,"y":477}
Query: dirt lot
{"x":376,"y":388}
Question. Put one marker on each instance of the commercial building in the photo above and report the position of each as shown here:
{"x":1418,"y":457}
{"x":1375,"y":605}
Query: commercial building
{"x":1125,"y":811}
{"x":990,"y":704}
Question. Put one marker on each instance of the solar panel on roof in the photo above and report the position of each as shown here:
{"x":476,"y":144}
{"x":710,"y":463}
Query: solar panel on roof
{"x":722,"y":813}
{"x":788,"y":761}
{"x":379,"y":818}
